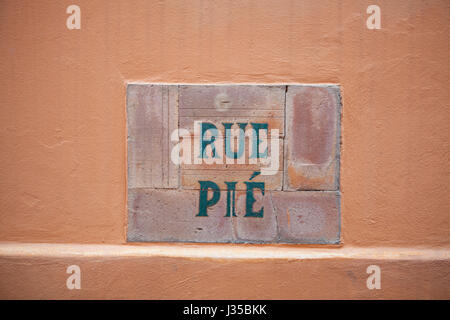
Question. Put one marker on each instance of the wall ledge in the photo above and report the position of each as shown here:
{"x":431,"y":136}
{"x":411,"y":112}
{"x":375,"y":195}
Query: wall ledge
{"x":220,"y":251}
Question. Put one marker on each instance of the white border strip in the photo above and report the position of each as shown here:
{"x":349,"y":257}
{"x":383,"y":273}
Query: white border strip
{"x":218,"y":251}
{"x":268,"y":84}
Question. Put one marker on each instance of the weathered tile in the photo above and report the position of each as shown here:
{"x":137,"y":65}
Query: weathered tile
{"x":308,"y":160}
{"x":233,"y":104}
{"x":271,"y":171}
{"x":307,"y":216}
{"x":312,"y":138}
{"x":255,"y":229}
{"x":171,"y":215}
{"x":190,"y":178}
{"x":287,"y":217}
{"x":152,"y":116}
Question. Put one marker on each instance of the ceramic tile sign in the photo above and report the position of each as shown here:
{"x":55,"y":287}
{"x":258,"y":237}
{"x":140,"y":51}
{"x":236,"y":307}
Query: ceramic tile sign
{"x":233,"y":163}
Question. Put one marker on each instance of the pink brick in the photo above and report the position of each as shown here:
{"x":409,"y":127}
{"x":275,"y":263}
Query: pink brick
{"x":170,"y":215}
{"x":152,"y":115}
{"x":307,"y":216}
{"x":190,"y":174}
{"x":312,"y":138}
{"x":232,"y":103}
{"x":252,"y":229}
{"x":289,"y":217}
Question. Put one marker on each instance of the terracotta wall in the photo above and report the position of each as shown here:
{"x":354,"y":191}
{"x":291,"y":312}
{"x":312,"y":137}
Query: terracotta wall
{"x":63,"y":141}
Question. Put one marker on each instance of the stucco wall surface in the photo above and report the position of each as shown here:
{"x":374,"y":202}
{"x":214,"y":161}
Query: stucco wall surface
{"x":63,"y":117}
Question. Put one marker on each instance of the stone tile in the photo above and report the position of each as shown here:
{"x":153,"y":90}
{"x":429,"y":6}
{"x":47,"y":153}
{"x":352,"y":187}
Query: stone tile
{"x":308,"y":160}
{"x":307,"y":216}
{"x":232,"y":103}
{"x":189,"y":179}
{"x":152,"y":116}
{"x":219,"y":104}
{"x":171,"y":215}
{"x":253,"y":229}
{"x":312,"y":138}
{"x":190,"y":174}
{"x":288,"y":217}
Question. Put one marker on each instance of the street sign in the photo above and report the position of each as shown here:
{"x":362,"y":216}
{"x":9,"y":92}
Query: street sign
{"x":233,"y":163}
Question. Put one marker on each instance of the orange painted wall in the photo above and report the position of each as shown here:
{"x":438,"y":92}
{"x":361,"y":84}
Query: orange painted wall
{"x":63,"y":151}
